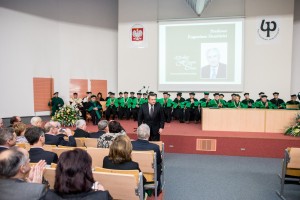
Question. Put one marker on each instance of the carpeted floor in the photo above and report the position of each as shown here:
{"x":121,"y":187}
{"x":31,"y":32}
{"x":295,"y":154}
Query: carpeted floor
{"x":204,"y":177}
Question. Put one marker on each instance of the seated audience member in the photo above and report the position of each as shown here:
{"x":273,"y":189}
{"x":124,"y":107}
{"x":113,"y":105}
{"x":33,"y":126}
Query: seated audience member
{"x":102,"y":129}
{"x":1,"y":123}
{"x":7,"y":138}
{"x":119,"y":156}
{"x":115,"y":129}
{"x":20,"y":129}
{"x":74,"y":178}
{"x":36,"y":121}
{"x":36,"y":138}
{"x":14,"y":168}
{"x":55,"y":135}
{"x":13,"y":120}
{"x":143,"y":144}
{"x":81,"y":129}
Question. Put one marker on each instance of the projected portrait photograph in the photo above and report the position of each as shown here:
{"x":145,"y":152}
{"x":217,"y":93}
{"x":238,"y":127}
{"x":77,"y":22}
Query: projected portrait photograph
{"x":213,"y":61}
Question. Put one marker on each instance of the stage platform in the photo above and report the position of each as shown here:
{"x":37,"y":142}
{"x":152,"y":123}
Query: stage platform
{"x":189,"y":138}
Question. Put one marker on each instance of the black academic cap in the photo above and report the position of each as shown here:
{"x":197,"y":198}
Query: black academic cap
{"x":206,"y":93}
{"x":121,"y":92}
{"x":109,"y":92}
{"x":165,"y":93}
{"x":112,"y":93}
{"x":179,"y":94}
{"x":275,"y":93}
{"x":93,"y":96}
{"x":139,"y":93}
{"x":222,"y":95}
{"x":264,"y":96}
{"x":55,"y":93}
{"x":151,"y":92}
{"x":125,"y":92}
{"x":246,"y":93}
{"x":145,"y":94}
{"x":261,"y":93}
{"x":192,"y":93}
{"x":233,"y":94}
{"x":215,"y":94}
{"x":132,"y":93}
{"x":293,"y":95}
{"x":75,"y":93}
{"x":88,"y":92}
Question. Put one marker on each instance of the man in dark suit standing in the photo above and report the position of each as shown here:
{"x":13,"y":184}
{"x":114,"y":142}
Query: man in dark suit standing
{"x":152,"y":114}
{"x":215,"y":69}
{"x":36,"y":138}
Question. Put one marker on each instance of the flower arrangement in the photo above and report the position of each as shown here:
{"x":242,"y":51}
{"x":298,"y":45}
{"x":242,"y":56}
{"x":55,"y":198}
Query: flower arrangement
{"x":294,"y":130}
{"x":67,"y":115}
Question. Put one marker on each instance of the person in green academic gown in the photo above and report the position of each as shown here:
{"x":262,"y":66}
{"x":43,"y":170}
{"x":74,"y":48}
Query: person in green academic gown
{"x":145,"y":97}
{"x":55,"y":103}
{"x":205,"y":100}
{"x":133,"y":110}
{"x":94,"y":108}
{"x":178,"y":107}
{"x":237,"y":103}
{"x":264,"y":103}
{"x":247,"y":101}
{"x":260,"y":94}
{"x":222,"y":97}
{"x":111,"y":106}
{"x":232,"y":98}
{"x":139,"y":101}
{"x":120,"y":110}
{"x":293,"y":100}
{"x":167,"y":104}
{"x":191,"y":109}
{"x":216,"y":102}
{"x":277,"y":102}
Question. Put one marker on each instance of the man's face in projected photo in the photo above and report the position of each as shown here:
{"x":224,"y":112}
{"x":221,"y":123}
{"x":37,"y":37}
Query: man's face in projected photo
{"x":213,"y":57}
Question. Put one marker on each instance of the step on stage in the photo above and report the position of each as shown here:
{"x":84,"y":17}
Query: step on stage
{"x":191,"y":139}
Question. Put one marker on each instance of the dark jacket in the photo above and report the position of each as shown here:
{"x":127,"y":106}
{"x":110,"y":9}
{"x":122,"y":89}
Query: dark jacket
{"x":97,"y":134}
{"x":59,"y":140}
{"x":37,"y":154}
{"x":92,"y":195}
{"x":144,"y":145}
{"x":15,"y":189}
{"x":2,"y":149}
{"x":156,"y":121}
{"x":81,"y":133}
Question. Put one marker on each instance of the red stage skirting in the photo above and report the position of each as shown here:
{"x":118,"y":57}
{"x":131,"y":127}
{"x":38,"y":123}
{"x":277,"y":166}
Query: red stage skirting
{"x":181,"y":138}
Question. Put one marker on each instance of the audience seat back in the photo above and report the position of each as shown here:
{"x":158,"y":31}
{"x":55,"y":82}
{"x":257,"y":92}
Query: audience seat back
{"x":97,"y":155}
{"x":91,"y":142}
{"x":79,"y":142}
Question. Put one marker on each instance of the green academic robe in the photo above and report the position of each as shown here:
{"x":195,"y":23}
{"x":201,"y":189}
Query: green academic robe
{"x":125,"y":102}
{"x":239,"y":104}
{"x":166,"y":103}
{"x":95,"y":104}
{"x":56,"y":103}
{"x":113,"y":101}
{"x":260,"y":104}
{"x":215,"y":103}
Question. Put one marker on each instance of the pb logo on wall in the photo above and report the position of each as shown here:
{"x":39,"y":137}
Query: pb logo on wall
{"x":268,"y":29}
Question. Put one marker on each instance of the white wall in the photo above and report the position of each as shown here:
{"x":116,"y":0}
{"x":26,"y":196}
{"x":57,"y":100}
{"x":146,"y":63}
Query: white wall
{"x":296,"y":48}
{"x":267,"y":67}
{"x":62,"y":39}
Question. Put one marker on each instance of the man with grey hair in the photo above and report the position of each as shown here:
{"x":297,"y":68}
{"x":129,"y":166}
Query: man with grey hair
{"x":14,"y":167}
{"x":142,"y":144}
{"x":8,"y":138}
{"x":102,"y":129}
{"x":36,"y":121}
{"x":81,"y":129}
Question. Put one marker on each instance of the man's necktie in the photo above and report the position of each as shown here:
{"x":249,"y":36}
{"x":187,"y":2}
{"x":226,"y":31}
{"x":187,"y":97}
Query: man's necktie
{"x":151,"y":111}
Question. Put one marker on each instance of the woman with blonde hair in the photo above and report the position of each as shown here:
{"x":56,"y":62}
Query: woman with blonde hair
{"x":20,"y":129}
